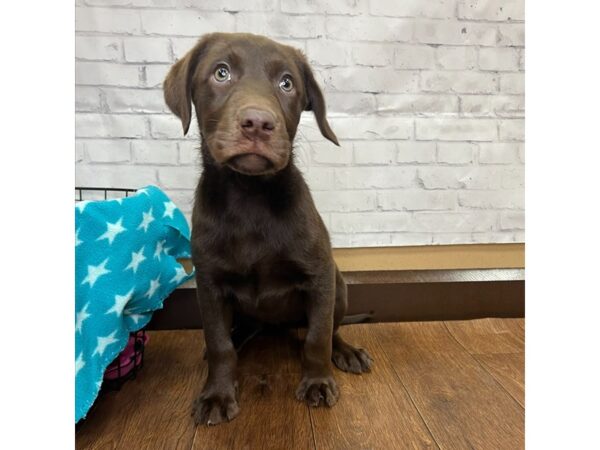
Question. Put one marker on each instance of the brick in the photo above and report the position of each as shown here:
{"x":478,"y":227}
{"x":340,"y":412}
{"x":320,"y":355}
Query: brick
{"x":512,"y":83}
{"x":79,"y":151}
{"x":375,"y":153}
{"x":459,"y":82}
{"x":415,"y":152}
{"x":497,"y":153}
{"x":181,"y":45}
{"x":168,"y":126}
{"x":108,"y":151}
{"x":494,"y":10}
{"x":414,"y":56}
{"x":504,"y":199}
{"x":454,"y":222}
{"x":281,"y":26}
{"x":87,"y":99}
{"x":135,"y":100}
{"x":189,"y":153}
{"x":155,"y":75}
{"x":371,"y":54}
{"x":369,"y":222}
{"x":456,"y":58}
{"x":511,"y":35}
{"x":98,"y":48}
{"x":155,"y":152}
{"x":343,"y":240}
{"x":499,"y":59}
{"x":107,"y":20}
{"x":435,"y":9}
{"x":512,"y":220}
{"x":178,"y":177}
{"x":345,"y":7}
{"x":231,"y":5}
{"x":140,"y":3}
{"x":327,"y":52}
{"x":512,"y":130}
{"x":185,"y":22}
{"x":107,"y":74}
{"x":374,"y":177}
{"x":128,"y":176}
{"x":442,"y":177}
{"x":418,"y":104}
{"x":327,"y":153}
{"x":109,"y":125}
{"x":416,"y":200}
{"x":345,"y":201}
{"x":319,"y":178}
{"x":372,"y":127}
{"x":350,"y":103}
{"x":456,"y":129}
{"x":493,"y":105}
{"x":147,"y":49}
{"x":455,"y":153}
{"x":370,"y":79}
{"x":363,"y":28}
{"x":408,"y":239}
{"x":455,"y":33}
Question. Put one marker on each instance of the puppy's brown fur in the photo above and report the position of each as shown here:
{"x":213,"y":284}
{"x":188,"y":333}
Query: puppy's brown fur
{"x":259,"y":245}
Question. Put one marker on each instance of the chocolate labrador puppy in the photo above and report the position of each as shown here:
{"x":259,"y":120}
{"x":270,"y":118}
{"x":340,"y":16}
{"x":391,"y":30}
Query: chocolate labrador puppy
{"x":259,"y":245}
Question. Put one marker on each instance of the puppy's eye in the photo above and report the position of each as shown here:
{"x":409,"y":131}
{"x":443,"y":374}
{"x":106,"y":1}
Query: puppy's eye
{"x":222,"y":74}
{"x":286,"y":84}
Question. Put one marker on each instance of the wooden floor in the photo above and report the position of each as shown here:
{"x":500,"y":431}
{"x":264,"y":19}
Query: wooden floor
{"x":449,"y":385}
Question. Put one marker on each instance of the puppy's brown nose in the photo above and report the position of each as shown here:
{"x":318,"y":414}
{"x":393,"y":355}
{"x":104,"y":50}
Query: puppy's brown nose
{"x":256,"y":122}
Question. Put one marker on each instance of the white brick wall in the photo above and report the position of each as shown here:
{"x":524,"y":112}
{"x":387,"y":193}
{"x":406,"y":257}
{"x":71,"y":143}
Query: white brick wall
{"x":426,"y":97}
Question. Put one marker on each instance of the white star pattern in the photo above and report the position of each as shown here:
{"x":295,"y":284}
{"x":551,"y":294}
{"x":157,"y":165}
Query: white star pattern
{"x":147,"y":219}
{"x":136,"y":259}
{"x":81,"y":205}
{"x":180,"y":274}
{"x":81,"y":316}
{"x":79,"y":363}
{"x":112,"y":229}
{"x":135,"y":317}
{"x":77,"y":240}
{"x":160,"y":248}
{"x":95,"y":272}
{"x":120,"y":302}
{"x":154,"y":285}
{"x":143,"y":191}
{"x":169,"y":209}
{"x":104,"y":342}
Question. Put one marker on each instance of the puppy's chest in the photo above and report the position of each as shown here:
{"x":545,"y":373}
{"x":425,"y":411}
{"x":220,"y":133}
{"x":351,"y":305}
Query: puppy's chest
{"x":269,"y":290}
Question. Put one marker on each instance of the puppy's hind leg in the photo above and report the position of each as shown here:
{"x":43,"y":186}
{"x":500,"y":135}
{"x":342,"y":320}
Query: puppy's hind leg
{"x":345,"y":356}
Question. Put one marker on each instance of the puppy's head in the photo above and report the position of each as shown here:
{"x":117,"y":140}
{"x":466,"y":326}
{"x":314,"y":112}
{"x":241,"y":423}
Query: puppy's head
{"x":249,"y":93}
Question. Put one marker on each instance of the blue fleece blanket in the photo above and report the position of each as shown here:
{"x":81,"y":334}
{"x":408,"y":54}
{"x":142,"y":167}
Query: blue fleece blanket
{"x":126,"y":254}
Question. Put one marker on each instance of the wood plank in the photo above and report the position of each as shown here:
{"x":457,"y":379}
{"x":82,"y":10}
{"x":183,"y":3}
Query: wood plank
{"x":270,"y":417}
{"x":423,"y":257}
{"x":498,"y":344}
{"x":374,"y":409}
{"x":431,"y":257}
{"x":509,"y":370}
{"x":487,"y":336}
{"x":152,"y":411}
{"x":461,"y":403}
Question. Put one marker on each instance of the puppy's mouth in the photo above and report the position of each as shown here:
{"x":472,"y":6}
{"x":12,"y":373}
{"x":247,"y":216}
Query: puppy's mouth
{"x":250,"y":164}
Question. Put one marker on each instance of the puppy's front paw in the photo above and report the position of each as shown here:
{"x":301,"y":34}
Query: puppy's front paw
{"x":315,"y":389}
{"x":214,"y":408}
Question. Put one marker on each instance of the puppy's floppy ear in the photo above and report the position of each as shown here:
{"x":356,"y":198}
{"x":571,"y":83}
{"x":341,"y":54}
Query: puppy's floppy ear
{"x":177,"y":87}
{"x":315,"y":100}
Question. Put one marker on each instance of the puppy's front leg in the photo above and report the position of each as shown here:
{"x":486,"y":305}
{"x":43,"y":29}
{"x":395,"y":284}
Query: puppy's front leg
{"x":218,"y":401}
{"x":317,"y":379}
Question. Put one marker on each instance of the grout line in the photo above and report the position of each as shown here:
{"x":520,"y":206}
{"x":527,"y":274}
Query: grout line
{"x":482,"y":365}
